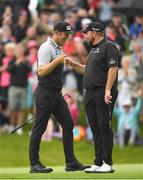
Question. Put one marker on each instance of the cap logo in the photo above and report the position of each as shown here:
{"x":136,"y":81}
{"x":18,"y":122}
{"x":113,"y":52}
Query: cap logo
{"x":68,"y":28}
{"x":95,"y":29}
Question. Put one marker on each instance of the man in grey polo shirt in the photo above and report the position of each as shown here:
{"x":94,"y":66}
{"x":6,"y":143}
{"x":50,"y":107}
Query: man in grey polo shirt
{"x":49,"y":100}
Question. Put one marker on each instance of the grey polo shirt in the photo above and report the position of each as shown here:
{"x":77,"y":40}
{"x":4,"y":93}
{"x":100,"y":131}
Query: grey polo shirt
{"x":48,"y":51}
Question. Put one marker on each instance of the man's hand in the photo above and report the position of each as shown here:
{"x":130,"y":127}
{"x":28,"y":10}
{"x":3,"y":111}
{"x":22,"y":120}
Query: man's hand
{"x":61,"y":58}
{"x":69,"y":62}
{"x":108,"y":97}
{"x":48,"y":68}
{"x":80,"y":68}
{"x":19,"y":61}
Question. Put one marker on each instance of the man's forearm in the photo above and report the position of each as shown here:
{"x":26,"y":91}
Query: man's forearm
{"x":44,"y":70}
{"x":80,"y":68}
{"x":112,"y":73}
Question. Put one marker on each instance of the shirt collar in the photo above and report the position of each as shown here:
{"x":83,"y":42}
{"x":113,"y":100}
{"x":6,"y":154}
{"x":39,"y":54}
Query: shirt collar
{"x":53,"y":43}
{"x":102,"y":41}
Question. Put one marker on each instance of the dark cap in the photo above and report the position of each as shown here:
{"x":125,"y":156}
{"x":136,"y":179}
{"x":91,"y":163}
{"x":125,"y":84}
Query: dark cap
{"x":63,"y":27}
{"x":94,"y":26}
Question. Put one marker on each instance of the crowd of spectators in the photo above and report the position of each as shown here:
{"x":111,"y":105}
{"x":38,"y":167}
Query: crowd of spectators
{"x":26,"y":24}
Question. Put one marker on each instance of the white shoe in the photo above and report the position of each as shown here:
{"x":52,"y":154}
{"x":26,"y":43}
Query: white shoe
{"x":105,"y":168}
{"x":19,"y":132}
{"x":92,"y":169}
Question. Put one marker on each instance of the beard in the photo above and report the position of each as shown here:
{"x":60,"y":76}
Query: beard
{"x":90,"y":42}
{"x":62,"y":42}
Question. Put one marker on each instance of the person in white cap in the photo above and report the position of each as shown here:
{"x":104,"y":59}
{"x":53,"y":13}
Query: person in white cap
{"x":127,"y":116}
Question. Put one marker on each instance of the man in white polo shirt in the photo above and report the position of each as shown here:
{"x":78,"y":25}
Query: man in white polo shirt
{"x":49,"y":100}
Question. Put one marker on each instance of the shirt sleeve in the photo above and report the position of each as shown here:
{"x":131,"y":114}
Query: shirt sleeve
{"x":11,"y":66}
{"x":27,"y":66}
{"x":44,"y":55}
{"x":112,"y":56}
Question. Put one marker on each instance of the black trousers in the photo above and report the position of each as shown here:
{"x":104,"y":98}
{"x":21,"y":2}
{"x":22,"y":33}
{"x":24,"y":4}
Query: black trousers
{"x":99,"y":116}
{"x":51,"y":101}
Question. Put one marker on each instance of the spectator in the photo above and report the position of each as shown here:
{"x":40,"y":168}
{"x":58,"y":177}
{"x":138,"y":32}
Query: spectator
{"x":105,"y":11}
{"x":54,"y":18}
{"x":20,"y":28}
{"x":5,"y":76}
{"x":17,"y":6}
{"x":32,"y":79}
{"x":68,"y":5}
{"x":48,"y":5}
{"x":32,"y":46}
{"x":137,"y":62}
{"x":127,"y":78}
{"x":93,"y":7}
{"x":7,"y":17}
{"x":31,"y":34}
{"x":19,"y":70}
{"x":42,"y":26}
{"x":72,"y":18}
{"x":7,"y":35}
{"x":120,"y":27}
{"x":137,"y":40}
{"x":127,"y":117}
{"x":136,"y":27}
{"x":112,"y":35}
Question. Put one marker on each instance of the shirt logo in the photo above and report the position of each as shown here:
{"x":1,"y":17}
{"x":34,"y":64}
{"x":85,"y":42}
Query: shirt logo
{"x":57,"y":52}
{"x":96,"y":51}
{"x":112,"y":61}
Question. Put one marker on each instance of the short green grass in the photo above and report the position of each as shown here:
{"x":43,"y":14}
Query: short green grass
{"x":14,"y":152}
{"x":128,"y":171}
{"x":14,"y":162}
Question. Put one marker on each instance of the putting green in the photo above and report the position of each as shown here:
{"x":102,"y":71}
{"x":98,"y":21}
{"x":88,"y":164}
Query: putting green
{"x":123,"y":171}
